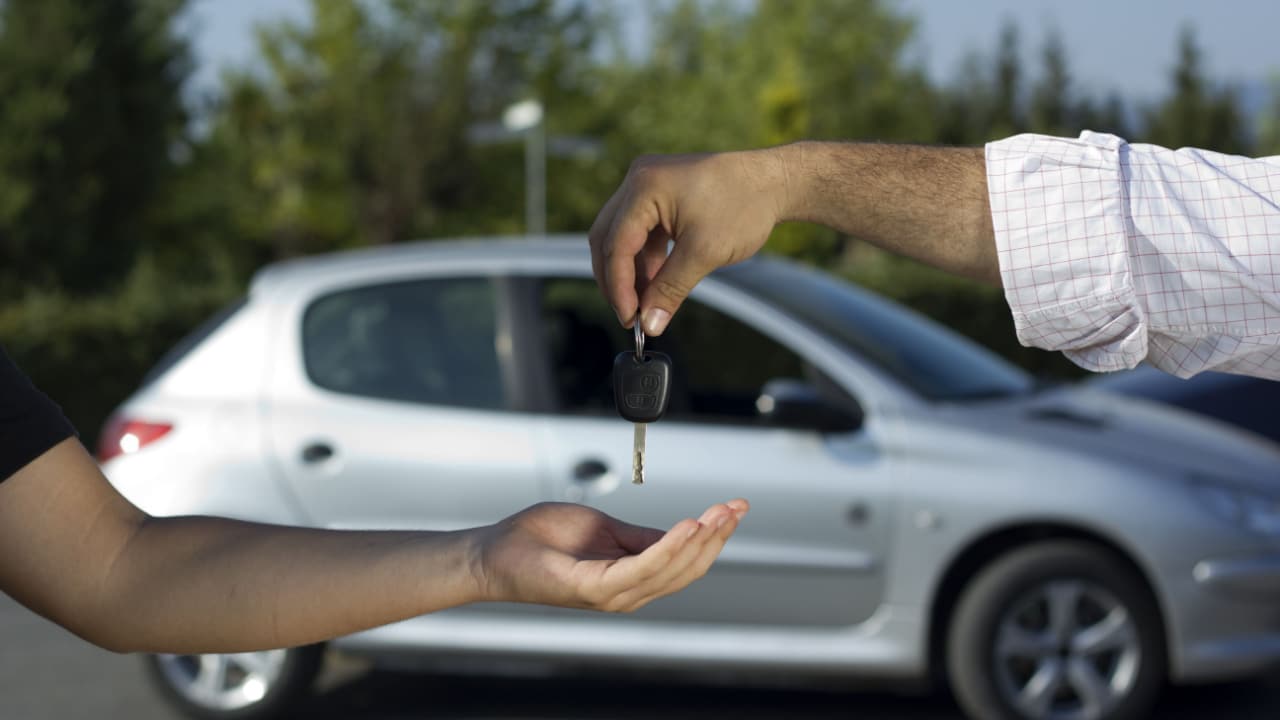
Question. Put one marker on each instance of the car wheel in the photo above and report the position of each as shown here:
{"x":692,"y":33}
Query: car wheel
{"x":1060,"y":630}
{"x":240,"y":686}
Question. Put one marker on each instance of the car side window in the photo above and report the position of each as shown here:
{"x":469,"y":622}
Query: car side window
{"x":720,"y":363}
{"x":424,"y":341}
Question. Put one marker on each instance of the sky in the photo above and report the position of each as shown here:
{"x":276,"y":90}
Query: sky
{"x":1126,"y":46}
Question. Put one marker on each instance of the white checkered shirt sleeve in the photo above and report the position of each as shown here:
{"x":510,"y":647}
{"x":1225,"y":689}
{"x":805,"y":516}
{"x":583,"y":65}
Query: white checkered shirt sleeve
{"x":1116,"y":253}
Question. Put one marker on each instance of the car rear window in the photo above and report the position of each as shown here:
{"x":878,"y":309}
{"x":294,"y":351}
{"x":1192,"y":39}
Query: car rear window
{"x":430,"y":341}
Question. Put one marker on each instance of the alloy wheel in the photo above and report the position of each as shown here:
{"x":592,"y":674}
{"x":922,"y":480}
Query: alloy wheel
{"x":1066,"y":650}
{"x":223,"y":682}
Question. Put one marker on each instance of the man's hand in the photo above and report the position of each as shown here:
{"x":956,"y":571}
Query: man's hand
{"x":718,"y":209}
{"x":927,"y":203}
{"x":574,"y":556}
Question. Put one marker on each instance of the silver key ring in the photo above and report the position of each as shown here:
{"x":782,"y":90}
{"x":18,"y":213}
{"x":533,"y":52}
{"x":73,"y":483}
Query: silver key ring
{"x":639,"y":332}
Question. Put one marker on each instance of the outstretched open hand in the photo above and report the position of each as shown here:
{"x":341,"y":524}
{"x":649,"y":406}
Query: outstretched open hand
{"x":575,"y":556}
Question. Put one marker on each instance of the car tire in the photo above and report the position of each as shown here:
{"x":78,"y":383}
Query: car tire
{"x":1061,"y":628}
{"x":244,"y":686}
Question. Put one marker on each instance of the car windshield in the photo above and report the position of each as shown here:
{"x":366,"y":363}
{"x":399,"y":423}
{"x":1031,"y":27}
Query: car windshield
{"x":935,"y":362}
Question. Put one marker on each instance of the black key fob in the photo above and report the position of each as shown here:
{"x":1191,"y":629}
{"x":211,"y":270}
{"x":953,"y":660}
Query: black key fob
{"x":641,"y":386}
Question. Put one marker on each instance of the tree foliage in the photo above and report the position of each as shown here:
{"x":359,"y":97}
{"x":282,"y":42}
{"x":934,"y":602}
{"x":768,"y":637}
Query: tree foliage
{"x":357,"y":131}
{"x":1197,"y":114}
{"x":90,"y":118}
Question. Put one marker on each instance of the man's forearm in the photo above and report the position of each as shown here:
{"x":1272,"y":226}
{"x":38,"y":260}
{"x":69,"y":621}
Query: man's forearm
{"x":264,"y":586}
{"x":928,"y":203}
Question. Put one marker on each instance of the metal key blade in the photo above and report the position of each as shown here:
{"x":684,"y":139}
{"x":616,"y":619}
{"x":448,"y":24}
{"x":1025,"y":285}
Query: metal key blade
{"x":637,"y":455}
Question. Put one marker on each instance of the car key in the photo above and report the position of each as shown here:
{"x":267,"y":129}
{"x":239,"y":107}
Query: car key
{"x":641,"y":389}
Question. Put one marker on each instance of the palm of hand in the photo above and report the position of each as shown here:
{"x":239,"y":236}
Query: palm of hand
{"x":574,"y":556}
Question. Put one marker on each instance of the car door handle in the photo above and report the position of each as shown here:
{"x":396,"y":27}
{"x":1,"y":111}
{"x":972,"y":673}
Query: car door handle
{"x":589,"y":471}
{"x":316,"y":453}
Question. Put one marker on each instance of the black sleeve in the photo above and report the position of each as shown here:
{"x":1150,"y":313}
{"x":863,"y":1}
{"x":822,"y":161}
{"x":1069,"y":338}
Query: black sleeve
{"x":30,"y":423}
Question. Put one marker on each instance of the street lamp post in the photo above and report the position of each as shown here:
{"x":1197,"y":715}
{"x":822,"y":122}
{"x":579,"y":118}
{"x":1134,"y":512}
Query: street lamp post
{"x":525,"y":117}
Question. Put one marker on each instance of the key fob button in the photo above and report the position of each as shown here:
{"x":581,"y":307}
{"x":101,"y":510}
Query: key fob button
{"x":641,"y":388}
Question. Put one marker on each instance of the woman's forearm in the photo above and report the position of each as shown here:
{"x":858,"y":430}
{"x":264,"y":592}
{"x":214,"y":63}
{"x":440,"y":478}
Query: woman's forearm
{"x":75,"y":551}
{"x":197,"y":584}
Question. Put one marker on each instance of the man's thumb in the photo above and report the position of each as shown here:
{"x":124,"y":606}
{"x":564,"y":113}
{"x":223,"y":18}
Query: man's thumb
{"x":669,"y":287}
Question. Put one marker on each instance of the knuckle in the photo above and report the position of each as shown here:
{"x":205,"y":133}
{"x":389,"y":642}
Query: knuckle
{"x":704,"y":254}
{"x":670,"y":289}
{"x":645,"y":174}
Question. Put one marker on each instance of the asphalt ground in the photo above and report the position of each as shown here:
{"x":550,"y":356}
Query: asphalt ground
{"x":46,"y":674}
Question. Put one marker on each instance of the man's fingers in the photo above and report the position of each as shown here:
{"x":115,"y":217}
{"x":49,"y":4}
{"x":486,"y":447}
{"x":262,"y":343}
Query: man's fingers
{"x":625,"y":240}
{"x":673,"y":283}
{"x":599,"y":232}
{"x":651,"y":258}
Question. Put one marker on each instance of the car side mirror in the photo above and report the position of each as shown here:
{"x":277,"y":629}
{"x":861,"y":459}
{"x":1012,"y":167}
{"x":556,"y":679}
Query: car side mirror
{"x":798,"y":405}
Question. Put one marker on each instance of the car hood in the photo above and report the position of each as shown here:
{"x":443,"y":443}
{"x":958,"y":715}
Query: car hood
{"x":1129,"y":430}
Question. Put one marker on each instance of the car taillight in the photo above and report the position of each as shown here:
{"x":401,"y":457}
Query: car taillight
{"x":123,"y":436}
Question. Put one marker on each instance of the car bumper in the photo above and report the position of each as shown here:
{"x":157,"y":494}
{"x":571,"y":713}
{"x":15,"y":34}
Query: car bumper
{"x":1233,"y":627}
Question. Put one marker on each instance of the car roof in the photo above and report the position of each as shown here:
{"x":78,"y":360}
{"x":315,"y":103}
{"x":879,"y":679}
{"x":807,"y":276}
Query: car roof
{"x":569,"y":248}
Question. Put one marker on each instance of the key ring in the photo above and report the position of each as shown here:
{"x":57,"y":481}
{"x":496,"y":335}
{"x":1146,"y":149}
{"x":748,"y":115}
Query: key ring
{"x":639,"y":332}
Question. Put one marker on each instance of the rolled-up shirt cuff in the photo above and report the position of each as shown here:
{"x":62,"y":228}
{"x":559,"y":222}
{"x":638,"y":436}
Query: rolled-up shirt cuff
{"x":1058,"y":210}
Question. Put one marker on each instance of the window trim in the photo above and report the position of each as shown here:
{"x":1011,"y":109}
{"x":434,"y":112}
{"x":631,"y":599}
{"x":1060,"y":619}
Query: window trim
{"x":517,"y":321}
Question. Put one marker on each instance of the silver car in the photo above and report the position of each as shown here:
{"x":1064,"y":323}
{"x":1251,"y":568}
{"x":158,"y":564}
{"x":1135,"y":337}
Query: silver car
{"x":922,"y":511}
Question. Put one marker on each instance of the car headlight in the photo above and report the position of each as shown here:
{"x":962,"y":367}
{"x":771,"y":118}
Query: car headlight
{"x":1251,"y":509}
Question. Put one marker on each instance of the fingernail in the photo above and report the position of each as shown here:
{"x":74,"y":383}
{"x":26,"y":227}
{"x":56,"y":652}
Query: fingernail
{"x":655,"y":320}
{"x":695,"y":530}
{"x":720,"y":521}
{"x":626,"y":321}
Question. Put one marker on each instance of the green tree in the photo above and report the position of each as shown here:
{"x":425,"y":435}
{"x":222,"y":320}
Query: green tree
{"x":727,"y":76}
{"x":1051,"y":102}
{"x":357,"y":133}
{"x":1007,"y":114}
{"x":1196,"y":114}
{"x":1269,"y":123}
{"x":985,"y":100}
{"x":89,"y":122}
{"x":1110,"y":115}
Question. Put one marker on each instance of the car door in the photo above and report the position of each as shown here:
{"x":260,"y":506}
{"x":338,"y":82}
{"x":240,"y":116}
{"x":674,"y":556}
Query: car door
{"x":390,"y":405}
{"x":810,"y":553}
